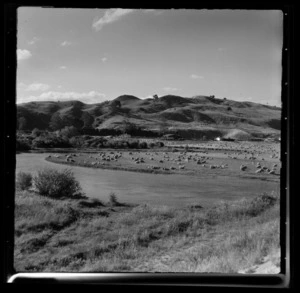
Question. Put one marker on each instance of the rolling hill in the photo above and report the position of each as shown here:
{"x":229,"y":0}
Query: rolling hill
{"x":192,"y":117}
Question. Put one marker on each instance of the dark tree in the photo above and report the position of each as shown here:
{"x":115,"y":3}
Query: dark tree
{"x":56,"y":122}
{"x":129,"y":127}
{"x":22,"y":123}
{"x":87,"y":120}
{"x":155,"y":97}
{"x":114,"y":105}
{"x":73,"y":117}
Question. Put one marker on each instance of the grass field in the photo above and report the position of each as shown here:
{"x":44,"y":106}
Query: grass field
{"x":86,"y":235}
{"x":256,"y":160}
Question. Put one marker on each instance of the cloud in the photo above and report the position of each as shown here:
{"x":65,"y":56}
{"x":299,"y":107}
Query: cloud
{"x":221,"y":49}
{"x":195,"y":76}
{"x":170,"y":89}
{"x":91,"y":96}
{"x":33,"y":41}
{"x":104,"y":59}
{"x":21,"y":84}
{"x":88,"y":97}
{"x":63,"y":67}
{"x":111,"y":15}
{"x":65,"y":44}
{"x":23,"y":54}
{"x":37,"y":87}
{"x":147,"y":97}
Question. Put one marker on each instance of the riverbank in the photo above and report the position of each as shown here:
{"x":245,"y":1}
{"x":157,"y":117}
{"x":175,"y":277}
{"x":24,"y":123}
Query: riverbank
{"x":94,"y":236}
{"x":137,"y":187}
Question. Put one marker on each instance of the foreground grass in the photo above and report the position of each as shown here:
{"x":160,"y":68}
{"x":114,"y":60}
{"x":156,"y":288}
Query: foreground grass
{"x":90,"y":236}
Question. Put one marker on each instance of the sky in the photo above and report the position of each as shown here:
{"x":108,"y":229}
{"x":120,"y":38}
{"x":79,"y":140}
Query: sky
{"x":93,"y":55}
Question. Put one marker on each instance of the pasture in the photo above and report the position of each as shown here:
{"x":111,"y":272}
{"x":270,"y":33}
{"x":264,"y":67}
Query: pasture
{"x":258,"y":160}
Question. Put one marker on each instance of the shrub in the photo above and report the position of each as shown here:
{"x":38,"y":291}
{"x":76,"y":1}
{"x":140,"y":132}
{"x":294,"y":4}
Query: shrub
{"x":77,"y":141}
{"x":36,"y":132}
{"x":23,"y":181}
{"x":50,"y":141}
{"x":143,"y":145}
{"x":57,"y":184}
{"x":261,"y":203}
{"x":69,"y":131}
{"x":22,"y":145}
{"x":113,"y":200}
{"x":133,"y":144}
{"x":91,"y":203}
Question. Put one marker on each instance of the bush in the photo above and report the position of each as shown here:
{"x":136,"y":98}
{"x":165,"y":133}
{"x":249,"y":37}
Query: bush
{"x":77,"y":141}
{"x":22,"y":145}
{"x":69,"y":132}
{"x":36,"y":132}
{"x":57,"y":184}
{"x":23,"y":181}
{"x":133,"y":144}
{"x":50,"y":141}
{"x":113,"y":200}
{"x":143,"y":145}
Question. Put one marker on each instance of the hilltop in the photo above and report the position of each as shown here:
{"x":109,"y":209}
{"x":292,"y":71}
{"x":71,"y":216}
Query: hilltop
{"x":190,"y":117}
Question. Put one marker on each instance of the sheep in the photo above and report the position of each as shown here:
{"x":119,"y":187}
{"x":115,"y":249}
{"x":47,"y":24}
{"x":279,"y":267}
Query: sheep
{"x":243,"y":168}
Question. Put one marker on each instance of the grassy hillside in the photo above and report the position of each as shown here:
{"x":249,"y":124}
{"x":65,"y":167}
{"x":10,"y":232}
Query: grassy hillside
{"x":167,"y":113}
{"x":91,"y":236}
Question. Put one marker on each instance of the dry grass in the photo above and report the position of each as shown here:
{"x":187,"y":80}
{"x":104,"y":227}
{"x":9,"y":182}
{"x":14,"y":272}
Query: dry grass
{"x":90,"y":236}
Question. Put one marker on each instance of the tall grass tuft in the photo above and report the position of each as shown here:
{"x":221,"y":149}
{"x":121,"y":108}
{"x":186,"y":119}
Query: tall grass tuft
{"x":23,"y":181}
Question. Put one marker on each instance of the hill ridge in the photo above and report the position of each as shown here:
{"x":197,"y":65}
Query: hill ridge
{"x":169,"y":113}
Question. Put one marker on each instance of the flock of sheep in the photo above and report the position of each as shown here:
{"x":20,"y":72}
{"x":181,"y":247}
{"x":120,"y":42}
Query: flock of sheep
{"x":179,"y":160}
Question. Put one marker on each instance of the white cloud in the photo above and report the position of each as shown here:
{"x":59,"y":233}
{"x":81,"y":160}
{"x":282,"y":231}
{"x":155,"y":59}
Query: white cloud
{"x":37,"y":87}
{"x":104,"y":59}
{"x":33,"y":41}
{"x":62,"y":67}
{"x":221,"y":49}
{"x":23,"y":54}
{"x":88,"y":97}
{"x":195,"y":76}
{"x":21,"y":84}
{"x":65,"y":44}
{"x":170,"y":89}
{"x":147,"y":97}
{"x":111,"y":15}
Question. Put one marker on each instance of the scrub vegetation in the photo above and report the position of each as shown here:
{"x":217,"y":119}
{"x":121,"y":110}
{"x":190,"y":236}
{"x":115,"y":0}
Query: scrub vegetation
{"x":72,"y":234}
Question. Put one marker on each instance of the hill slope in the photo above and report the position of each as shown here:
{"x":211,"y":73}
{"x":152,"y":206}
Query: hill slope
{"x":191,"y":117}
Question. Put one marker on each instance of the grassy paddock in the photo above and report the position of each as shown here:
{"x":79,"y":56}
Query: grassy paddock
{"x":88,"y":235}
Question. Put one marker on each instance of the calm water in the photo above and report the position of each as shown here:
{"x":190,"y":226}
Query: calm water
{"x":133,"y":187}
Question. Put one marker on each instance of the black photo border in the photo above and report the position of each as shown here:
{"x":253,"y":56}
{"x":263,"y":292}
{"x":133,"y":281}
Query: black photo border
{"x":285,"y":279}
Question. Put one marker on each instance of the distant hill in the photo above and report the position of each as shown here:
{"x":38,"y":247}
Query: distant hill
{"x":191,"y":117}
